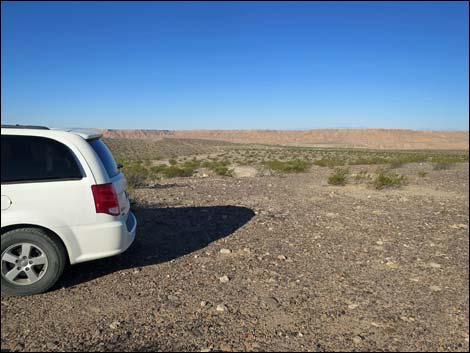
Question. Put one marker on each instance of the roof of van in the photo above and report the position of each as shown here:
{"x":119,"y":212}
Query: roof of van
{"x":86,"y":134}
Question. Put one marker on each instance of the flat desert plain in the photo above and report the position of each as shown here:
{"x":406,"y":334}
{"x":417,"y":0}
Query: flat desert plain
{"x":257,"y":246}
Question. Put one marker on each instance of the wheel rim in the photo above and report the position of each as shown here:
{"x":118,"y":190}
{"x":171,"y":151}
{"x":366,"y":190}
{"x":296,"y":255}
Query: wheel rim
{"x":24,"y":264}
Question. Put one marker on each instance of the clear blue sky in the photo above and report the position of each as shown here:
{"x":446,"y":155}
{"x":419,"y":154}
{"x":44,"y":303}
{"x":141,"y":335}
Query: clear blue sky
{"x":278,"y":65}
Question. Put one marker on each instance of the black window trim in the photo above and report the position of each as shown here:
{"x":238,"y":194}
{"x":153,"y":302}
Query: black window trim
{"x":32,"y":181}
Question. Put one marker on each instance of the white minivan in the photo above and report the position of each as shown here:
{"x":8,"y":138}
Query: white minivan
{"x":64,"y":200}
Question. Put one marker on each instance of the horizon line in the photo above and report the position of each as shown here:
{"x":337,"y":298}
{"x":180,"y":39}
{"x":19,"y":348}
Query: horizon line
{"x":295,"y":129}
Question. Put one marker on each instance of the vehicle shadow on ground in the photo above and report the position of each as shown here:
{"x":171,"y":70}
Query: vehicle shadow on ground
{"x":164,"y":234}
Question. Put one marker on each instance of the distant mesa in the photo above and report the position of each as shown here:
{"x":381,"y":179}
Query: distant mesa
{"x":350,"y":138}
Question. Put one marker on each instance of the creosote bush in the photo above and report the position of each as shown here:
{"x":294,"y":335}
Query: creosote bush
{"x":339,"y":176}
{"x":222,"y":170}
{"x":292,"y":166}
{"x":386,"y":179}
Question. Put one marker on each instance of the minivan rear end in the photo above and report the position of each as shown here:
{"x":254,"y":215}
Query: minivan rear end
{"x":63,"y":195}
{"x":114,"y":220}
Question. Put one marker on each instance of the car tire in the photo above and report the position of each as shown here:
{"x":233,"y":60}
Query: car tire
{"x":43,"y":249}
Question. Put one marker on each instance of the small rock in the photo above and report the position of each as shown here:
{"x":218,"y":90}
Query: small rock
{"x":226,"y":348}
{"x":270,"y":303}
{"x":221,"y":308}
{"x":435,"y":288}
{"x":392,"y":264}
{"x":203,"y":303}
{"x":282,"y":258}
{"x":352,"y":306}
{"x":357,"y":340}
{"x":459,"y":226}
{"x":114,"y":325}
{"x":225,"y":251}
{"x":52,"y":346}
{"x":173,"y":298}
{"x":224,"y":279}
{"x":434,"y":265}
{"x":407,"y":319}
{"x":331,"y":215}
{"x":379,"y":242}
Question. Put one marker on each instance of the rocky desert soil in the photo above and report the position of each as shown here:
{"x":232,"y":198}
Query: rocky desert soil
{"x":276,"y":262}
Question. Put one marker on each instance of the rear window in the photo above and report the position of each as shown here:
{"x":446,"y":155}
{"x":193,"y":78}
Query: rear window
{"x":106,"y":157}
{"x":31,"y":158}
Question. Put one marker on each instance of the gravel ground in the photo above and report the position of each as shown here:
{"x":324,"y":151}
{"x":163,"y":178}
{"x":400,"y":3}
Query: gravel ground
{"x":270,"y":263}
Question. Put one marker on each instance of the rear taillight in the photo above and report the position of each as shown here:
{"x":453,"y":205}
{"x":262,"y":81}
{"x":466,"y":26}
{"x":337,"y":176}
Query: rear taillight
{"x":106,"y":200}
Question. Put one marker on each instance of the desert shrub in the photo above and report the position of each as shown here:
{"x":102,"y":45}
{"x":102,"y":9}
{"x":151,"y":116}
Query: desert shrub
{"x":362,"y":175}
{"x":136,"y":175}
{"x":329,"y":162}
{"x":135,"y":180}
{"x":172,"y":161}
{"x":339,"y":176}
{"x":374,"y":159}
{"x":422,"y":174}
{"x":193,"y":164}
{"x":386,"y":178}
{"x":219,"y":167}
{"x":292,"y":166}
{"x":158,"y":169}
{"x":320,"y":162}
{"x":174,"y":171}
{"x":222,"y":170}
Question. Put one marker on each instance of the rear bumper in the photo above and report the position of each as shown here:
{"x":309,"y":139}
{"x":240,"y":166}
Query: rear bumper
{"x":103,"y":240}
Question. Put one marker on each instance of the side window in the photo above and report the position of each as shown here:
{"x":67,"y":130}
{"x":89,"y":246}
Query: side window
{"x":31,"y":158}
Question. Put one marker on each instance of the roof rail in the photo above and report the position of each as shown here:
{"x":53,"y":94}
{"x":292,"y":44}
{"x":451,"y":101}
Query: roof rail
{"x":17,"y":126}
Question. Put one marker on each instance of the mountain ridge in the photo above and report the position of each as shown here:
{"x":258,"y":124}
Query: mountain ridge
{"x":377,"y":138}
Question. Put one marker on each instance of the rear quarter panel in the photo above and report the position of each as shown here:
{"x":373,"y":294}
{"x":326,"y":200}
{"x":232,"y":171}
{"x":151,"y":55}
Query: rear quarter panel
{"x":59,"y":206}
